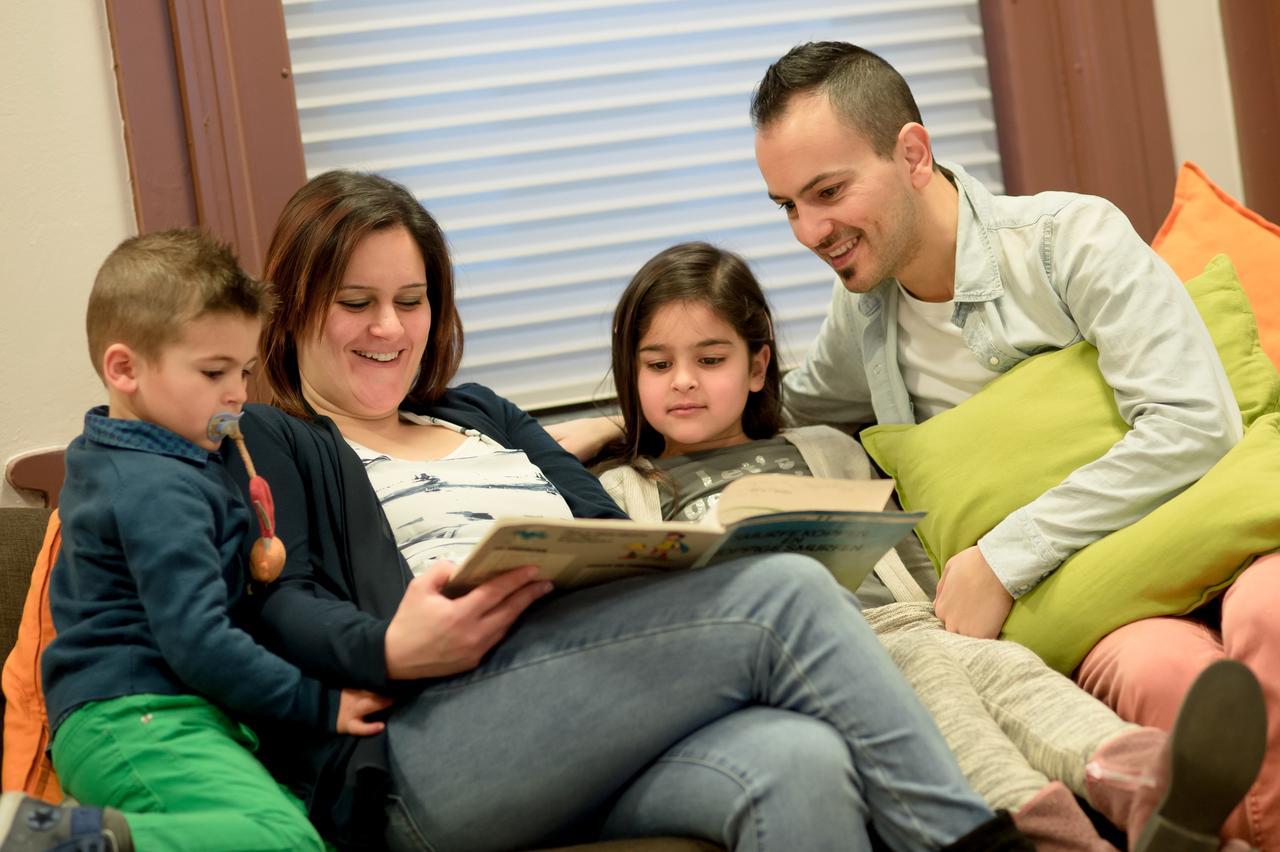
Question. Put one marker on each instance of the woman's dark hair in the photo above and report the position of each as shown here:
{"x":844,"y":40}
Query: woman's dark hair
{"x":719,"y":279}
{"x":313,"y":242}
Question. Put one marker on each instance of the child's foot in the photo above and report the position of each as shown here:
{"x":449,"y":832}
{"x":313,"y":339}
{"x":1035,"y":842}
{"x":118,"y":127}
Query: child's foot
{"x":28,"y":824}
{"x":1054,"y":822}
{"x":1179,"y":801}
{"x":997,"y":834}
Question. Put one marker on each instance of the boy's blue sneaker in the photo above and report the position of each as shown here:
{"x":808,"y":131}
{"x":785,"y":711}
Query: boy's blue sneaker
{"x":28,"y":824}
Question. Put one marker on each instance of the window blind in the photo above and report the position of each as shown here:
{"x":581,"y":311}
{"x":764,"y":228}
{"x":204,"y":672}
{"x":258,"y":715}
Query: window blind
{"x":561,"y":143}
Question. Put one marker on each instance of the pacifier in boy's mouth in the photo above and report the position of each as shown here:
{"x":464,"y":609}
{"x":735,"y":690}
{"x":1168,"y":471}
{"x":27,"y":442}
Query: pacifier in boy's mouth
{"x":266,"y":559}
{"x":224,"y":424}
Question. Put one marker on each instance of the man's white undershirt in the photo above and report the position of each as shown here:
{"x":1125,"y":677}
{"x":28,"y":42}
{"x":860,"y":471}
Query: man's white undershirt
{"x":939,"y":370}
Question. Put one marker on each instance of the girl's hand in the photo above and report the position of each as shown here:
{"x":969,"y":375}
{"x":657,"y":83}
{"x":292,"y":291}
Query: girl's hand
{"x":432,"y":635}
{"x":586,"y":436}
{"x":354,"y":705}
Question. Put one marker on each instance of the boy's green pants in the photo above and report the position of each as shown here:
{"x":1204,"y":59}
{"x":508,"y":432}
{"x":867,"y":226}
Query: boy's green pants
{"x":183,"y":774}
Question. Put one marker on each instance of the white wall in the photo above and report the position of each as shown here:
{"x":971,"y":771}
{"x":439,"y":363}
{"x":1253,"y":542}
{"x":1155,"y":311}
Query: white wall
{"x":1193,"y":59}
{"x":66,"y":204}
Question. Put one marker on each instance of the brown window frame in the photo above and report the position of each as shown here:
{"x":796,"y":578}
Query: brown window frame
{"x":211,"y":127}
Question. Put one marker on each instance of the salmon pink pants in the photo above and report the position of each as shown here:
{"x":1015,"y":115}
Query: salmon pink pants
{"x":1143,"y":670}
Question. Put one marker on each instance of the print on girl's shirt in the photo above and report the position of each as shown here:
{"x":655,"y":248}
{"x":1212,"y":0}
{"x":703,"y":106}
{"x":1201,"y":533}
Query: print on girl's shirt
{"x":700,"y":477}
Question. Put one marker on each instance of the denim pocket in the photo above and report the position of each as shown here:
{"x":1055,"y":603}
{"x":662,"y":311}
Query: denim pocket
{"x":402,"y":833}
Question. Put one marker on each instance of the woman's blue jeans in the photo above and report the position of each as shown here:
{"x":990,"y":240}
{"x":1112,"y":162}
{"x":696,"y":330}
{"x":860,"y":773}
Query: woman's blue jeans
{"x":747,"y":704}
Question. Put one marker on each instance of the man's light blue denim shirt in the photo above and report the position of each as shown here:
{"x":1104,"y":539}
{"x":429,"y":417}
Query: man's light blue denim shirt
{"x":1033,"y":274}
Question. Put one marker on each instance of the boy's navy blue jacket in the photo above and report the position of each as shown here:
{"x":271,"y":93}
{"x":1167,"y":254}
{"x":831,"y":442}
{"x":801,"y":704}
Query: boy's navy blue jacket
{"x":152,"y":563}
{"x":345,"y":577}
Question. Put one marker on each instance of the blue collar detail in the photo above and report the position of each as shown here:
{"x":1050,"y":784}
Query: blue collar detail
{"x":140,"y":435}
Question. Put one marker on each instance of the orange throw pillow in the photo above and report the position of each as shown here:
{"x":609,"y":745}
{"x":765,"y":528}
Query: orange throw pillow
{"x":1205,"y":222}
{"x":26,"y":723}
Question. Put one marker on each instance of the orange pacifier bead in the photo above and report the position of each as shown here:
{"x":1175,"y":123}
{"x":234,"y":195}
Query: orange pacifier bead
{"x":266,"y":559}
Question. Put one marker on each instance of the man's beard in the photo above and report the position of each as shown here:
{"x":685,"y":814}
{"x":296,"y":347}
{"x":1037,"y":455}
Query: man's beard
{"x":897,"y":247}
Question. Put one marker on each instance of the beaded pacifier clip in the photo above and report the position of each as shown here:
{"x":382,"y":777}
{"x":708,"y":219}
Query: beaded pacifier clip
{"x":266,"y":559}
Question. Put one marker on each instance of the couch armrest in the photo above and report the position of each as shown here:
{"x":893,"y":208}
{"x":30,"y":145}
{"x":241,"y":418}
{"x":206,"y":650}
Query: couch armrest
{"x":40,"y":471}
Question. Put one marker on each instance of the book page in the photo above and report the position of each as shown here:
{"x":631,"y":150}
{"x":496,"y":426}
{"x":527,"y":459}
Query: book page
{"x":848,"y":543}
{"x":765,"y":493}
{"x":573,"y":553}
{"x":839,"y":522}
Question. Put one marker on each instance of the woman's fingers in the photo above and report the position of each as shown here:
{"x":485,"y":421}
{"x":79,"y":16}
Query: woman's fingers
{"x":432,"y":635}
{"x":492,"y":593}
{"x":436,"y":575}
{"x":504,"y":614}
{"x":493,"y":622}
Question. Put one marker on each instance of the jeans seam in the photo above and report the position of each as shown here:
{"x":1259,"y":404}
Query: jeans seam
{"x":854,"y":737}
{"x":458,"y":683}
{"x":734,"y":774}
{"x":867,"y":764}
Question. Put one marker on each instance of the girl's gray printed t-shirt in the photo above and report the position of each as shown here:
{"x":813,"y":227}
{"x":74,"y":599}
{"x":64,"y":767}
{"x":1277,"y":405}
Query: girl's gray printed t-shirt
{"x":700,"y":477}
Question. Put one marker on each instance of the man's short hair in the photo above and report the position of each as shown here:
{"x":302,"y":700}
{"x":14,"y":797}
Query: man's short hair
{"x":867,"y":93}
{"x":151,"y":286}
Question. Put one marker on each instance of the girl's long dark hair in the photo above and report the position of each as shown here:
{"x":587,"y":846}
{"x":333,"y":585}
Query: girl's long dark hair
{"x":719,"y":279}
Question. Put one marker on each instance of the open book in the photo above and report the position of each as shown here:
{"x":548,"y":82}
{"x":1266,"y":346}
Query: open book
{"x":839,"y":522}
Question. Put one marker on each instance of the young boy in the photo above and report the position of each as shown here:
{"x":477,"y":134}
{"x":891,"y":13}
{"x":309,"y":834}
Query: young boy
{"x":152,"y":567}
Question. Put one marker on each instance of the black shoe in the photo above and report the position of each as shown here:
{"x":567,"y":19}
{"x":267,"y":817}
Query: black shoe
{"x":997,"y":834}
{"x":28,"y":824}
{"x":1215,"y":752}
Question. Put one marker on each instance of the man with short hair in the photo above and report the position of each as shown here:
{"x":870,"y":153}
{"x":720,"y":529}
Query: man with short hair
{"x":946,"y":286}
{"x":942,"y":287}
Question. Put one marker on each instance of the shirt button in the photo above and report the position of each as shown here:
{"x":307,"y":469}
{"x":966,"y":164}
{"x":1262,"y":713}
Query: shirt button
{"x":146,"y":717}
{"x":993,"y":361}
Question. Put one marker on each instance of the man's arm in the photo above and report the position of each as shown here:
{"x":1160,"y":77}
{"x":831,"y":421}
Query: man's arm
{"x":831,"y":386}
{"x":1156,"y":354}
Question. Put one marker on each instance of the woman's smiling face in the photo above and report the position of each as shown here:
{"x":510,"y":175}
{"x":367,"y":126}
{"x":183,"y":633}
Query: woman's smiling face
{"x":365,"y":356}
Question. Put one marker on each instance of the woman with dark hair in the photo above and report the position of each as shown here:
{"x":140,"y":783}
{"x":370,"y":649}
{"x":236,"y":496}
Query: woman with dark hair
{"x":747,"y":703}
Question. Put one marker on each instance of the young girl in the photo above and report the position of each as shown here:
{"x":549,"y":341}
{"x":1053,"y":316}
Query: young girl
{"x":699,"y":392}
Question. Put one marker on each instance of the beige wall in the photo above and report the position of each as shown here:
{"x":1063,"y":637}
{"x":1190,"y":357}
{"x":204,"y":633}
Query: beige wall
{"x":66,"y":204}
{"x":1193,"y":59}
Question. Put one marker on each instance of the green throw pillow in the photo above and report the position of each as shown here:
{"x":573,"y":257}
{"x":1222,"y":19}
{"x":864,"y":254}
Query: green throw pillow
{"x":948,"y":467}
{"x":1168,"y":563}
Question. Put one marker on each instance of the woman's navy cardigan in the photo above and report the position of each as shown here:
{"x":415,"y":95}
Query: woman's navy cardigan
{"x":328,"y":613}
